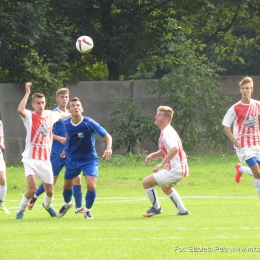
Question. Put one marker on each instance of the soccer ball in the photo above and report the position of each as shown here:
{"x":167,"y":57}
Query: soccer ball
{"x":84,"y":44}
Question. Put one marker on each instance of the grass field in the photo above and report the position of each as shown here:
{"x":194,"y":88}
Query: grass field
{"x":223,"y":224}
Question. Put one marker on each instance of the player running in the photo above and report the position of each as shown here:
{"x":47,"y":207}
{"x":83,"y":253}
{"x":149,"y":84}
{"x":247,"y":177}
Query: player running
{"x":245,"y":136}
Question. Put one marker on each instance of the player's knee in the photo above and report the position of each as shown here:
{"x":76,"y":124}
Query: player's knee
{"x":147,"y":183}
{"x":91,"y":187}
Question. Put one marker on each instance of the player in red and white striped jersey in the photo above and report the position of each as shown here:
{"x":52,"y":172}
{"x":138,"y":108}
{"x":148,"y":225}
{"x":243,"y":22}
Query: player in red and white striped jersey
{"x":245,"y":136}
{"x":174,"y":163}
{"x":36,"y":156}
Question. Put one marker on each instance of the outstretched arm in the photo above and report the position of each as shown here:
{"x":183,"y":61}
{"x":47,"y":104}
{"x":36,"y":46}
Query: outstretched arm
{"x":23,"y":103}
{"x":108,"y":152}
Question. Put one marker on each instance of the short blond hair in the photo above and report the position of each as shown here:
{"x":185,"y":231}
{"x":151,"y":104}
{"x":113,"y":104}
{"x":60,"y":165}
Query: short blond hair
{"x":167,"y":111}
{"x":62,"y":91}
{"x":245,"y":81}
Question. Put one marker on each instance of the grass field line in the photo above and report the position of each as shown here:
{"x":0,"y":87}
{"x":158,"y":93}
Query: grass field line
{"x":122,"y":238}
{"x":123,"y":199}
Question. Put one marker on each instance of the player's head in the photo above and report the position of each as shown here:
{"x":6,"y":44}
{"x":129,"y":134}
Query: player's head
{"x":38,"y":102}
{"x":62,"y":97}
{"x":246,"y":80}
{"x":75,"y":107}
{"x":164,"y":116}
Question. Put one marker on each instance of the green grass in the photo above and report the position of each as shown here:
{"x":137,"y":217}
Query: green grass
{"x":225,"y":215}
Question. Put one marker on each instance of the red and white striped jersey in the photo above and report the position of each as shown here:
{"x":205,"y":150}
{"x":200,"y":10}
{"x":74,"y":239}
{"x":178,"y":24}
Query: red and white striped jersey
{"x":169,"y":139}
{"x":39,"y":135}
{"x":244,"y":118}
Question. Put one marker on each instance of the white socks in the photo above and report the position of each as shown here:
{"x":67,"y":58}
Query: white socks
{"x":47,"y":201}
{"x":24,"y":204}
{"x":176,"y":199}
{"x":257,"y":186}
{"x":152,"y":196}
{"x":3,"y":190}
{"x":245,"y":169}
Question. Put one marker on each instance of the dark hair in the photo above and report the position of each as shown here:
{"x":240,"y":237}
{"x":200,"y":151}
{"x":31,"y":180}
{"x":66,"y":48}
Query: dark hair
{"x":37,"y":95}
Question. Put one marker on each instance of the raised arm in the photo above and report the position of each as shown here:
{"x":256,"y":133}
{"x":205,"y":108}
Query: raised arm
{"x":23,"y":103}
{"x":108,"y":152}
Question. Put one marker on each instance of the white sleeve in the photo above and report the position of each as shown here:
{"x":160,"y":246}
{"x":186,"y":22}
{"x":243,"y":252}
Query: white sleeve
{"x":170,"y":140}
{"x":229,"y":117}
{"x":27,"y":114}
{"x":55,"y":116}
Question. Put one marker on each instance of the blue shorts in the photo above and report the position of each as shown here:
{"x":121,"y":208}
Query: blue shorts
{"x":75,"y":166}
{"x":57,"y":164}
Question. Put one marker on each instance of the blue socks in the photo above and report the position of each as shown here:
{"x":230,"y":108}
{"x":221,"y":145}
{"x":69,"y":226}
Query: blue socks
{"x":67,"y":195}
{"x":76,"y":189}
{"x":40,"y":190}
{"x":90,"y":198}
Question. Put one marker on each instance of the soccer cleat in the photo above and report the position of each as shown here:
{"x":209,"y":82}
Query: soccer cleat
{"x":185,"y":213}
{"x":63,"y":210}
{"x":31,"y":203}
{"x":79,"y":211}
{"x":88,"y":215}
{"x":19,"y":215}
{"x":4,"y":210}
{"x":238,"y":173}
{"x":50,"y":210}
{"x":152,"y":211}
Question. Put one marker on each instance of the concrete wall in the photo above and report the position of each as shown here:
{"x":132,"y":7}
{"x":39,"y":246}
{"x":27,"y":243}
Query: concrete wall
{"x":94,"y":99}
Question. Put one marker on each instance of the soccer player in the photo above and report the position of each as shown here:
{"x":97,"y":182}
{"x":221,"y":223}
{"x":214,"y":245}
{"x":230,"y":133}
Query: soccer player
{"x":245,"y":136}
{"x":3,"y":186}
{"x":36,"y":156}
{"x":82,"y":156}
{"x":59,"y":139}
{"x":174,"y":162}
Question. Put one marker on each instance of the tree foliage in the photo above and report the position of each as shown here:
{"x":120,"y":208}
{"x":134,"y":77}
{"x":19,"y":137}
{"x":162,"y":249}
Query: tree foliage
{"x":130,"y":125}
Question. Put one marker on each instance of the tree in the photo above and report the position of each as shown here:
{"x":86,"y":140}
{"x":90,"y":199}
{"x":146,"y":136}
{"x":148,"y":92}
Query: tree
{"x":191,"y":88}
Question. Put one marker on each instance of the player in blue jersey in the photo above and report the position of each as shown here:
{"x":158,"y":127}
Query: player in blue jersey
{"x":59,"y":139}
{"x":82,"y":156}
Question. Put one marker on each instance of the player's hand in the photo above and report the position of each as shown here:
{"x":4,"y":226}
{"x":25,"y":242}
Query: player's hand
{"x":63,"y":154}
{"x":236,"y":143}
{"x":107,"y":154}
{"x":157,"y":167}
{"x":28,"y":87}
{"x":148,"y":160}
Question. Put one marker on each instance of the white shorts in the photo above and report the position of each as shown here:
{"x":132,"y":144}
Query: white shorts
{"x":2,"y":165}
{"x":41,"y":169}
{"x":244,"y":154}
{"x":168,"y":178}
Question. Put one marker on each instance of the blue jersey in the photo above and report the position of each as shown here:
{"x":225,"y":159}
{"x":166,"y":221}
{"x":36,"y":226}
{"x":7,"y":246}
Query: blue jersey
{"x":81,"y":140}
{"x":58,"y":129}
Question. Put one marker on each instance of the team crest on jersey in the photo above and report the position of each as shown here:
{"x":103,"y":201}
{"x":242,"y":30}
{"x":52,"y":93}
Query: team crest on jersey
{"x":80,"y":135}
{"x":250,"y":121}
{"x":44,"y":129}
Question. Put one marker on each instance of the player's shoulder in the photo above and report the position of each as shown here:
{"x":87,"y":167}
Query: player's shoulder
{"x":56,"y":110}
{"x":67,"y":120}
{"x":87,"y":119}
